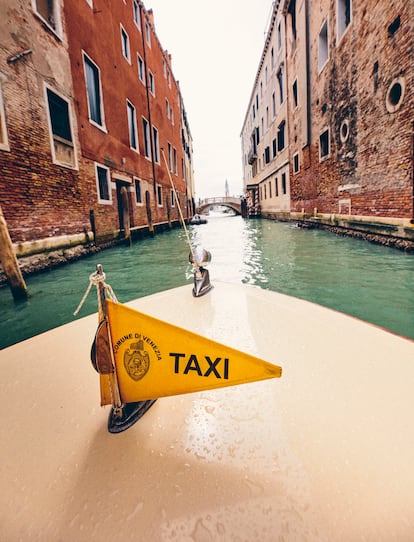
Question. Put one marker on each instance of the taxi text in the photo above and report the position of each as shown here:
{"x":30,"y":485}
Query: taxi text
{"x":202,"y":365}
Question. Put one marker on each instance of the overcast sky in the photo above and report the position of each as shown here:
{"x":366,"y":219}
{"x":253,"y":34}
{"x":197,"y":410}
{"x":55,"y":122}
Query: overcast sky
{"x":216,"y":47}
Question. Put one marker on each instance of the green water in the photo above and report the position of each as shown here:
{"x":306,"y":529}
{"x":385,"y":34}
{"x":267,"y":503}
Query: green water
{"x":371,"y":282}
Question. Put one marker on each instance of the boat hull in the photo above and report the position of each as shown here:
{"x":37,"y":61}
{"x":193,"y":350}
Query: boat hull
{"x":323,"y":453}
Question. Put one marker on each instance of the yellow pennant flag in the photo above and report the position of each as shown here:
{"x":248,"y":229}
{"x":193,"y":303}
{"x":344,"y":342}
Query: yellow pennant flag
{"x":156,"y":359}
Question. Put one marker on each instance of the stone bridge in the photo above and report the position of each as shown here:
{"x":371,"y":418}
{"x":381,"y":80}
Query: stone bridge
{"x":226,"y":201}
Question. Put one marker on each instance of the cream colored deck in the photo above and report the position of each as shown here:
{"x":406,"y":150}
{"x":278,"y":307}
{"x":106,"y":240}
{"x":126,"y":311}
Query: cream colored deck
{"x":324,"y":453}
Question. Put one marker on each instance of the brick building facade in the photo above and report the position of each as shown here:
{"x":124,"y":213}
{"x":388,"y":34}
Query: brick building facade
{"x":331,"y":117}
{"x":89,"y":107}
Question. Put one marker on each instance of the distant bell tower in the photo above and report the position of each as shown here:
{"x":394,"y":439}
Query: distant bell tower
{"x":226,"y":189}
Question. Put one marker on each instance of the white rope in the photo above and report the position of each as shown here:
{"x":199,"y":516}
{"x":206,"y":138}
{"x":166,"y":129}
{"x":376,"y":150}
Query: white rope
{"x":179,"y":206}
{"x":95,"y":279}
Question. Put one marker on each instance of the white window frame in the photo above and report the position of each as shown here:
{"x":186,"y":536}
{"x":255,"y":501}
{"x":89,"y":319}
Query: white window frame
{"x":151,"y":82}
{"x":147,"y":138}
{"x":323,"y":45}
{"x":159,"y":196}
{"x":141,"y":68}
{"x":295,"y":98}
{"x":4,"y":138}
{"x":172,"y":198}
{"x":296,"y":160}
{"x":132,"y":125}
{"x":341,"y":29}
{"x":175,"y":161}
{"x":156,"y":140}
{"x":53,"y":137}
{"x":328,"y":154}
{"x":108,"y":178}
{"x":148,"y":34}
{"x":57,"y":27}
{"x":101,"y":105}
{"x":138,"y":203}
{"x":169,"y":153}
{"x":126,"y":49}
{"x":136,"y":14}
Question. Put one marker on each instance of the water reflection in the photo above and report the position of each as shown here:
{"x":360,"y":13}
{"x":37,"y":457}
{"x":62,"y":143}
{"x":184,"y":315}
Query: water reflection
{"x":368,"y":281}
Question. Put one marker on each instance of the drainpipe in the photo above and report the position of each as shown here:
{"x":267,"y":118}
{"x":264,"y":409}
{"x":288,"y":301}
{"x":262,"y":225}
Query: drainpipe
{"x":308,"y":89}
{"x":143,"y":32}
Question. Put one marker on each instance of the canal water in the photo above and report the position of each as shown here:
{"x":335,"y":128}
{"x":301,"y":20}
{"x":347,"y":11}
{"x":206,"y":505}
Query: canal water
{"x":371,"y":282}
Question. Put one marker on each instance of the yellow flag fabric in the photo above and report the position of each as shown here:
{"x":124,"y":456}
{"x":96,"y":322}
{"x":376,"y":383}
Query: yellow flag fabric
{"x":156,"y":359}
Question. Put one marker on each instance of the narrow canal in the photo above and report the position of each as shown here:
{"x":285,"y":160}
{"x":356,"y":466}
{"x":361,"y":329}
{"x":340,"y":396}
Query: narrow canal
{"x":371,"y":282}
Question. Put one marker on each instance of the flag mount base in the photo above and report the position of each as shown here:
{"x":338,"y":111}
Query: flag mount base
{"x":121,"y":419}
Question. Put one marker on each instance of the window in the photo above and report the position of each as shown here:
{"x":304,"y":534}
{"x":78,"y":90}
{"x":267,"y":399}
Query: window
{"x":103,"y":184}
{"x":175,"y":161}
{"x":159,"y":195}
{"x":147,"y":140}
{"x":395,"y":95}
{"x":344,"y":131}
{"x":61,"y":131}
{"x":279,"y":36}
{"x":270,"y":189}
{"x":138,"y":192}
{"x":167,"y":108}
{"x":141,"y":73}
{"x":324,"y":149}
{"x":125,"y":44}
{"x":344,"y":16}
{"x":49,"y":12}
{"x":280,"y":83}
{"x":281,"y":136}
{"x":137,"y":13}
{"x":172,"y":198}
{"x":296,"y":163}
{"x":169,"y":156}
{"x":276,"y":187}
{"x":4,"y":141}
{"x":151,"y":83}
{"x":148,"y":34}
{"x":93,"y":89}
{"x":274,"y":105}
{"x":132,"y":126}
{"x":292,"y":13}
{"x":274,"y":147}
{"x":267,"y":155}
{"x":272,"y":58}
{"x":323,"y":46}
{"x":295,"y":93}
{"x":156,"y":145}
{"x":284,"y":183}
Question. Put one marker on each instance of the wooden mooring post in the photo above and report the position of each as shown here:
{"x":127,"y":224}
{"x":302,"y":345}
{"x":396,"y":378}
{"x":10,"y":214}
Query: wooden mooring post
{"x":9,"y":262}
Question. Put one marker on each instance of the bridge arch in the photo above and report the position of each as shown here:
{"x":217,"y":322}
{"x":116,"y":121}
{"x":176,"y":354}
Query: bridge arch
{"x":225,"y":201}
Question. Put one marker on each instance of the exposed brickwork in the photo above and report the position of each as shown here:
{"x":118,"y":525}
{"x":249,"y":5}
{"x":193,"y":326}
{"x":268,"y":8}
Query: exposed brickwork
{"x":43,"y":199}
{"x":340,"y":60}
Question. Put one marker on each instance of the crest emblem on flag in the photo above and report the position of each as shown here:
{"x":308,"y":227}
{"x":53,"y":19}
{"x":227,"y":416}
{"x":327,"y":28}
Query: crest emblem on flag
{"x":136,"y":360}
